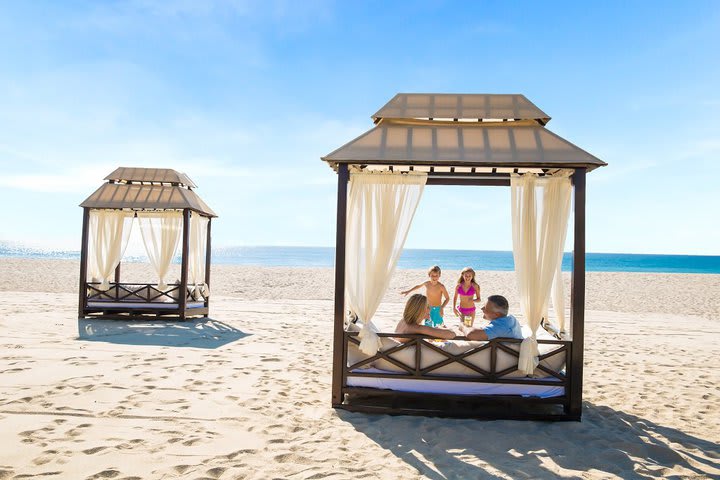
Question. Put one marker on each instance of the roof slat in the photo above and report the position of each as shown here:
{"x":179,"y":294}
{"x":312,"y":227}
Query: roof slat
{"x":150,"y":175}
{"x":461,"y":107}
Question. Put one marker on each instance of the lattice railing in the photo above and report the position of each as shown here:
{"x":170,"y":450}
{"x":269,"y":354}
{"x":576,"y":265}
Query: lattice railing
{"x":419,"y":343}
{"x":139,"y":293}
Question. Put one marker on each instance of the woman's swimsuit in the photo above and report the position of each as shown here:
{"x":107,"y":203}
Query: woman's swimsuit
{"x":469,"y":293}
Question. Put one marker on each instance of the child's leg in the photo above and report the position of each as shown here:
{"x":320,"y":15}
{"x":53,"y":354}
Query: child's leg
{"x":435,"y":317}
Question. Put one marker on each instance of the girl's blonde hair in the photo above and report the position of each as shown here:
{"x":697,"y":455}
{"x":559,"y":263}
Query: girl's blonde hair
{"x":415,"y":309}
{"x":472,"y":280}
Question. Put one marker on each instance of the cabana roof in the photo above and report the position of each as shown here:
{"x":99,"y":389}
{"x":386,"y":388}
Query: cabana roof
{"x":461,"y":134}
{"x":478,"y":106}
{"x":147,"y":189}
{"x":150,"y":175}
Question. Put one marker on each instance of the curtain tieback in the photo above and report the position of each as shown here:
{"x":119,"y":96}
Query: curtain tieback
{"x":528,"y":360}
{"x":369,"y":340}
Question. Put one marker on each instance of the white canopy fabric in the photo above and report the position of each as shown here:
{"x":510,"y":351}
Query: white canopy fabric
{"x":109,"y":232}
{"x":161,"y":234}
{"x":537,"y":248}
{"x":196,"y":255}
{"x":381,"y":206}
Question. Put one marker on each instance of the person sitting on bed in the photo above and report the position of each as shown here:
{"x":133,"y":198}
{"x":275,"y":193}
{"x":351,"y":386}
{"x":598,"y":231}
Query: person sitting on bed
{"x":417,"y":310}
{"x":501,"y":325}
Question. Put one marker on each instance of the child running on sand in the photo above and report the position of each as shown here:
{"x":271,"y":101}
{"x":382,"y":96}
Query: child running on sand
{"x":469,"y":292}
{"x":435,"y":292}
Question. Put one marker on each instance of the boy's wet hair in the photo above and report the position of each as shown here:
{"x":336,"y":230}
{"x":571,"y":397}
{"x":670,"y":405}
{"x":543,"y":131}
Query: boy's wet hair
{"x":434,"y":268}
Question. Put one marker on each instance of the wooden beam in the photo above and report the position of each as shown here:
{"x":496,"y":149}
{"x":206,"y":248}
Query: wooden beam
{"x":485,"y":181}
{"x":338,"y":324}
{"x":577,"y":296}
{"x":82,"y":297}
{"x":184,"y":266}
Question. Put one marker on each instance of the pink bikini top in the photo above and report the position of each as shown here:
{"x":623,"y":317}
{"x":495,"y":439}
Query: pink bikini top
{"x":470,"y":292}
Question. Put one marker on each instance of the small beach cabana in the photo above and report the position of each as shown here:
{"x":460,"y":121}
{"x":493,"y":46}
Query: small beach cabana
{"x":163,"y":205}
{"x":450,"y":139}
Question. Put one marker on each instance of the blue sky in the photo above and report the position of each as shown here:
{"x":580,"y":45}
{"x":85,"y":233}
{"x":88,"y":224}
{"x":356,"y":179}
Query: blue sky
{"x":246,"y":96}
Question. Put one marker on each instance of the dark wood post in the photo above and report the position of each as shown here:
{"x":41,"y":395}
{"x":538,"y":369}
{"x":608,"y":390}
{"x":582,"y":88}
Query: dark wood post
{"x":184,"y":266}
{"x":577,"y":296}
{"x":207,"y":265}
{"x":82,"y":297}
{"x":338,"y":330}
{"x":117,"y":273}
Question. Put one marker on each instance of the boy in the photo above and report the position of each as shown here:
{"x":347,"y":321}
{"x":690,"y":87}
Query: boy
{"x":435,"y":291}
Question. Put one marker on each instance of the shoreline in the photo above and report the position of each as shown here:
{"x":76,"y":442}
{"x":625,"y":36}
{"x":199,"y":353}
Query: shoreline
{"x":631,"y":292}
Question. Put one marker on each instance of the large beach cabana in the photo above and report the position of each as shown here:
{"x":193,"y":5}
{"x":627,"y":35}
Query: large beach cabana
{"x":448,"y":139}
{"x":163,"y":205}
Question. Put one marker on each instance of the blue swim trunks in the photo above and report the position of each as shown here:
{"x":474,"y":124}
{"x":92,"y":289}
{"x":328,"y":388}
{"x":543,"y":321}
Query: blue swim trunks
{"x":435,"y":319}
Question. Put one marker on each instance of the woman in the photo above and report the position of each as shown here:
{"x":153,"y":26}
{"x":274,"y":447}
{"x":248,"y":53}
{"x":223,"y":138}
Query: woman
{"x":416,"y":310}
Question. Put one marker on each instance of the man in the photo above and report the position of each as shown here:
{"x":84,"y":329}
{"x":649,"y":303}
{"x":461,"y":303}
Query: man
{"x":501,"y":325}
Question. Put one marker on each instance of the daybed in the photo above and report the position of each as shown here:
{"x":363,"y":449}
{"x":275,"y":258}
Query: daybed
{"x":469,"y":371}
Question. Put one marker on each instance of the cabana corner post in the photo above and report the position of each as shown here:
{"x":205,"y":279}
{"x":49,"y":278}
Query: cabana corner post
{"x":462,"y":139}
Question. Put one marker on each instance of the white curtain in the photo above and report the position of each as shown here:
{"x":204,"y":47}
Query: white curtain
{"x":196,"y":256}
{"x":381,"y":207}
{"x":108,"y":232}
{"x":537,"y":248}
{"x":161,"y":234}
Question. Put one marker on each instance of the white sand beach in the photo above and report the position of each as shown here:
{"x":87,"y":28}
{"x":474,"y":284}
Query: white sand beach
{"x":246,"y":394}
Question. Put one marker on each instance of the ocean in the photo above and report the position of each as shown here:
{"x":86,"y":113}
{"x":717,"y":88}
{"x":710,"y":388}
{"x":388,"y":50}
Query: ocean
{"x":420,"y":259}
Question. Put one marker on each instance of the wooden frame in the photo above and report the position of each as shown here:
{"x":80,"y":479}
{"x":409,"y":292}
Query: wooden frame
{"x":374,"y":400}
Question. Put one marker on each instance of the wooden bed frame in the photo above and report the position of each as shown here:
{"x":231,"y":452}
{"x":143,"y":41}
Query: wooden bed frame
{"x":134,"y":300}
{"x":375,"y":400}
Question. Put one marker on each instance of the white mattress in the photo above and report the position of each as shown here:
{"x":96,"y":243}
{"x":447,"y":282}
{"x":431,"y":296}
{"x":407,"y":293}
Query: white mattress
{"x":453,"y":387}
{"x":133,"y":305}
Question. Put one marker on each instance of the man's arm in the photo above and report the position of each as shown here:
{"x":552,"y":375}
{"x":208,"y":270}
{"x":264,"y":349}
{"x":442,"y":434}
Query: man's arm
{"x":474,"y":334}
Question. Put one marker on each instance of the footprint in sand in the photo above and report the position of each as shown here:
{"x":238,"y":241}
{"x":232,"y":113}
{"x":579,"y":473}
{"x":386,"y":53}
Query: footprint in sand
{"x":94,"y":450}
{"x":109,"y":473}
{"x":216,"y":472}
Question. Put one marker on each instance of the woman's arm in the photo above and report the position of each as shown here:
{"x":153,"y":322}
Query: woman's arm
{"x":443,"y":333}
{"x":477,"y":298}
{"x":455,"y":310}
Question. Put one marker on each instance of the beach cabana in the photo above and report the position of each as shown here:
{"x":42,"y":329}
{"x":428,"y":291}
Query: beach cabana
{"x":163,"y":205}
{"x":448,"y":139}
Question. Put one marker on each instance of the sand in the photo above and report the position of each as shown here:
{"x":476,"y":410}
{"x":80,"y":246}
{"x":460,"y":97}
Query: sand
{"x":246,"y":394}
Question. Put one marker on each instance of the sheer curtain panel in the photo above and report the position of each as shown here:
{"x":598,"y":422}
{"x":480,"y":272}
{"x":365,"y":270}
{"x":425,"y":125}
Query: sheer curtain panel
{"x":196,"y":256}
{"x":537,"y":248}
{"x":381,"y":206}
{"x":109,"y":231}
{"x":161,"y":234}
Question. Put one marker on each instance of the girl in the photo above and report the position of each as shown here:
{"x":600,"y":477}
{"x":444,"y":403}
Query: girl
{"x":416,"y":310}
{"x":469,"y":292}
